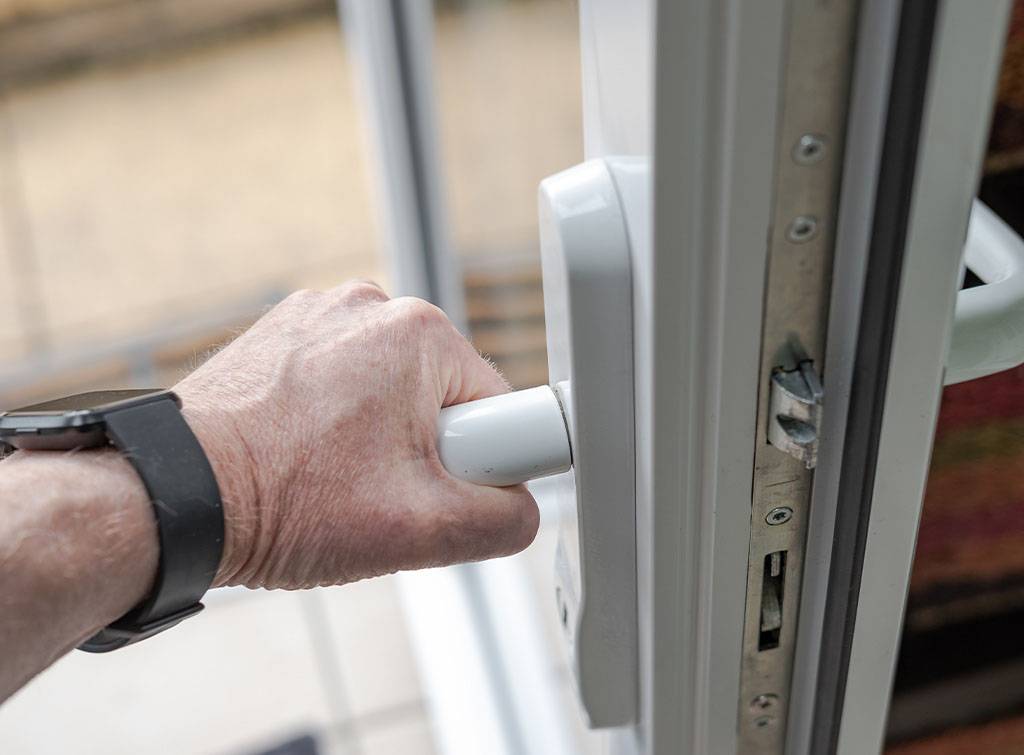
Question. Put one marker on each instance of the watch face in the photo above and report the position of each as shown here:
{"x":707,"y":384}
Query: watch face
{"x":73,"y":421}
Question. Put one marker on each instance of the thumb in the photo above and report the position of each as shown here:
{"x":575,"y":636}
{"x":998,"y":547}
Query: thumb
{"x":470,"y":376}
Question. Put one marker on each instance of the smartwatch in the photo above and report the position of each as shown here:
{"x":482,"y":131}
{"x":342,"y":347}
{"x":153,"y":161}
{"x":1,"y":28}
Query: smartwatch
{"x":148,"y":428}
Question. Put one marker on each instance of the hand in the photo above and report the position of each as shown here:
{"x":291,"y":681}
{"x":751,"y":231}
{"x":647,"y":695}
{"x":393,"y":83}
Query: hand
{"x":319,"y":423}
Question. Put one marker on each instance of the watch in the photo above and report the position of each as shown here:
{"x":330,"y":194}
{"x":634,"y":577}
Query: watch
{"x":148,"y":428}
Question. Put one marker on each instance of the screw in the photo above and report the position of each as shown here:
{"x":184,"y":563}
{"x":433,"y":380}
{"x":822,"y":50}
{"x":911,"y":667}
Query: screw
{"x":779,"y":515}
{"x":764,"y":702}
{"x":803,"y":228}
{"x":763,"y":722}
{"x":809,"y":149}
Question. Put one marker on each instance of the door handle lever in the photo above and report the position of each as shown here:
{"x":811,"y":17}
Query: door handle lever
{"x":505,"y":440}
{"x":988,"y":328}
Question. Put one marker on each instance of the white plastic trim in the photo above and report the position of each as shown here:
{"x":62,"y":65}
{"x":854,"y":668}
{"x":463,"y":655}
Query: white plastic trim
{"x":585,"y":421}
{"x":988,"y":329}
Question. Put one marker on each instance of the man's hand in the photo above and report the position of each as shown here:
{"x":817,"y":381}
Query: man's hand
{"x":320,"y":425}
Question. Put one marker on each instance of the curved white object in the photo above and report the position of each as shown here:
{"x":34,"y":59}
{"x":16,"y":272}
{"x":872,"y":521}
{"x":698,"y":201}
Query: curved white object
{"x":988,"y":329}
{"x":505,"y":440}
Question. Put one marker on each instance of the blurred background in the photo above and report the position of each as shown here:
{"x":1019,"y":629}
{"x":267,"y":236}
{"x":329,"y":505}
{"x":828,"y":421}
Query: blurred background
{"x":171,"y":168}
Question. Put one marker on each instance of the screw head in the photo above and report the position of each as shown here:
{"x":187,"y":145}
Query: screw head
{"x":802,"y":228}
{"x":764,"y":702}
{"x":779,"y":515}
{"x":763,"y":722}
{"x":809,"y":149}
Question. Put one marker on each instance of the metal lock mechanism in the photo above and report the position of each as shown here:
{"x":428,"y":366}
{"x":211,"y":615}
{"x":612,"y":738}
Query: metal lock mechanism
{"x":795,"y":411}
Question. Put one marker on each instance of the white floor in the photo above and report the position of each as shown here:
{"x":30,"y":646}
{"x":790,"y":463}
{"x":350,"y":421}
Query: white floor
{"x":260,"y":668}
{"x":255,"y":669}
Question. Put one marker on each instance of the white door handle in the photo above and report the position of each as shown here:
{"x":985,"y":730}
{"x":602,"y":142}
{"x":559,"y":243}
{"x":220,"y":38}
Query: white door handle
{"x":988,"y":328}
{"x":505,"y":440}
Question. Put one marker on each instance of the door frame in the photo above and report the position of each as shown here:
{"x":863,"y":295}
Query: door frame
{"x":964,"y":66}
{"x":693,"y":89}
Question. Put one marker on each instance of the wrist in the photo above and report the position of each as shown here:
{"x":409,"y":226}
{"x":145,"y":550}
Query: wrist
{"x":92,"y":542}
{"x":228,"y":454}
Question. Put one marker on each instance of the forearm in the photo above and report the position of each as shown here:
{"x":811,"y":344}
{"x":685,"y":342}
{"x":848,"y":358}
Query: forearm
{"x":78,"y":549}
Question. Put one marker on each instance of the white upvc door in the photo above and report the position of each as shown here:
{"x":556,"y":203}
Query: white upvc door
{"x":814,"y":166}
{"x":810,"y":168}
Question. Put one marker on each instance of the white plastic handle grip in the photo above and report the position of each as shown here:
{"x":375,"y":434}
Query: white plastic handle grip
{"x":505,"y":440}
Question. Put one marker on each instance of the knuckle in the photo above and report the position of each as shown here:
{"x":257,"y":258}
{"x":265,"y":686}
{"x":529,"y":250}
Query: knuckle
{"x":418,"y":313}
{"x":293,"y":307}
{"x":301,"y":299}
{"x":360,"y":290}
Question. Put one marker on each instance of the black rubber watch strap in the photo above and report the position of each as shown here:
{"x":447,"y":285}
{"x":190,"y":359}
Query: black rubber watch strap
{"x":158,"y":442}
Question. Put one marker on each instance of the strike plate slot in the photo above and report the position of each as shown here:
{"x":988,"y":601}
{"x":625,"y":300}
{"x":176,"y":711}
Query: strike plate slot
{"x":773,"y":589}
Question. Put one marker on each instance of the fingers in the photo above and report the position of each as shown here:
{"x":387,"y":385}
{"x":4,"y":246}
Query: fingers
{"x":460,"y":521}
{"x":478,"y":523}
{"x":507,"y":520}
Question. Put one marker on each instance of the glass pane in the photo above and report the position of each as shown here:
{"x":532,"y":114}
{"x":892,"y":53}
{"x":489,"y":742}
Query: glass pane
{"x":152,"y":204}
{"x":508,"y":88}
{"x":960,"y":677}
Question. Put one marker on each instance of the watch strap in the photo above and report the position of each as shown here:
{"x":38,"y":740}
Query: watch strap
{"x":157,"y":441}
